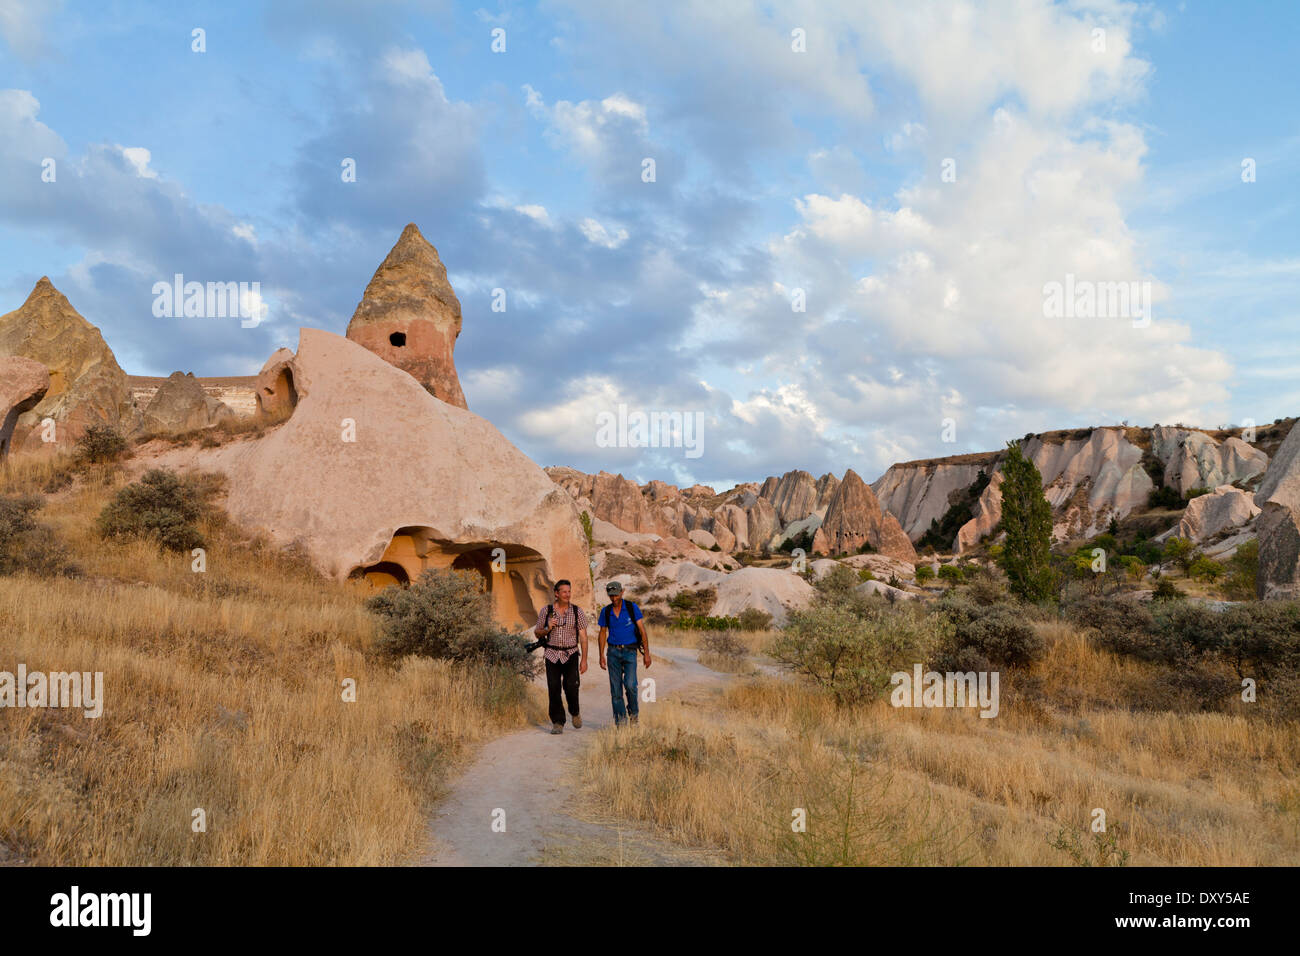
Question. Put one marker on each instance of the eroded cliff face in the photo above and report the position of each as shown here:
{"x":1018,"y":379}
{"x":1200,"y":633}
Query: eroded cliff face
{"x":918,"y":493}
{"x":1089,"y":477}
{"x":1193,"y":459}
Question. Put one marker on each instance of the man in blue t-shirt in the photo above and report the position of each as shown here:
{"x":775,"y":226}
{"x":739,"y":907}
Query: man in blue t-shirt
{"x":620,"y":622}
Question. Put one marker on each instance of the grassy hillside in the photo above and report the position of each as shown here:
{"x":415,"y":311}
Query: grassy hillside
{"x":223,"y":692}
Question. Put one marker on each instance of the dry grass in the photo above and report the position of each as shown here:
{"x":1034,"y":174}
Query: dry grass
{"x":223,"y":692}
{"x":886,"y":785}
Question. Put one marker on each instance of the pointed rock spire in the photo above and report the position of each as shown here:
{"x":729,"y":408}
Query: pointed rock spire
{"x":410,"y":316}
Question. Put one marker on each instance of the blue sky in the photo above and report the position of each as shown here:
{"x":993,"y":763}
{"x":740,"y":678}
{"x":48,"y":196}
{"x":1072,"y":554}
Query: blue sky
{"x":776,"y":170}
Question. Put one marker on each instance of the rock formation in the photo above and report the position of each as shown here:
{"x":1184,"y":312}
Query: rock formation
{"x":23,"y":383}
{"x":772,"y":590}
{"x":377,"y":480}
{"x":410,"y":316}
{"x":986,"y":513}
{"x":1278,"y":524}
{"x":87,"y":386}
{"x":917,"y":492}
{"x":1223,"y":509}
{"x":1088,"y":481}
{"x":181,"y":404}
{"x":1192,"y":459}
{"x":854,"y":518}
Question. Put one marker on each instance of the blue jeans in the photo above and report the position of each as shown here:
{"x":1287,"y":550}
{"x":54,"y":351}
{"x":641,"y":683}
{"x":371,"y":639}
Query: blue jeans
{"x":621,"y":659}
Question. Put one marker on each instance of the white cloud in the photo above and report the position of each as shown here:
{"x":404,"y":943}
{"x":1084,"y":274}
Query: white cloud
{"x":139,"y":158}
{"x":536,"y":213}
{"x":599,"y":235}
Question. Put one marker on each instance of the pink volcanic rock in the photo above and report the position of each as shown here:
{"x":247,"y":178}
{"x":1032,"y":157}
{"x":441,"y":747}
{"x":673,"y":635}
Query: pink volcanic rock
{"x":87,"y":386}
{"x":23,"y":383}
{"x":410,"y":316}
{"x":425,"y":484}
{"x":854,"y":518}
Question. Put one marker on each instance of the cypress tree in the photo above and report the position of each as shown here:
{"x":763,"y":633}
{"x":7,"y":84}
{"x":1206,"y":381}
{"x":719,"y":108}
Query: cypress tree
{"x":1027,"y":520}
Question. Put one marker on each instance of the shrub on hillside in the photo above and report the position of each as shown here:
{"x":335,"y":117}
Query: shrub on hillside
{"x":100,"y":444}
{"x":924,"y":572}
{"x":1243,"y":567}
{"x":754,"y":619}
{"x":838,"y":583}
{"x":851,"y":651}
{"x":999,"y":633}
{"x":25,"y":543}
{"x":1204,"y":568}
{"x":446,"y":614}
{"x":1165,"y":497}
{"x":1166,"y":590}
{"x":160,"y":506}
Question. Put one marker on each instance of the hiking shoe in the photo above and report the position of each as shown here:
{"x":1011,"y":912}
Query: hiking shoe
{"x":577,"y":721}
{"x":634,"y":720}
{"x":557,"y":728}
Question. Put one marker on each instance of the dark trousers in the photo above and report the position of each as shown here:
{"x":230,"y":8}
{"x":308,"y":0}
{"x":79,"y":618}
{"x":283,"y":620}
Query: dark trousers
{"x":563,"y":675}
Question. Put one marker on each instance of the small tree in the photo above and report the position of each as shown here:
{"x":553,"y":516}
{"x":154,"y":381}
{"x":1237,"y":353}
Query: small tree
{"x":1180,"y":551}
{"x":1027,"y":521}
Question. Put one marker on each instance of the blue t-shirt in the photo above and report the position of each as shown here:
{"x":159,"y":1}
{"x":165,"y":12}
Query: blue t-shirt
{"x":622,"y":627}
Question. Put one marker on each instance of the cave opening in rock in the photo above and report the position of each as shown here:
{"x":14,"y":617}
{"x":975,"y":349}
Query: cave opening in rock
{"x":515,"y":578}
{"x":398,"y":339}
{"x":278,"y":399}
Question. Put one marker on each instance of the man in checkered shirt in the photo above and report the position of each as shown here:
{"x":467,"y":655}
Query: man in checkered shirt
{"x":564,"y":628}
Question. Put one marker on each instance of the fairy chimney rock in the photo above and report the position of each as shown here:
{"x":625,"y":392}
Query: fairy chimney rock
{"x":410,"y":316}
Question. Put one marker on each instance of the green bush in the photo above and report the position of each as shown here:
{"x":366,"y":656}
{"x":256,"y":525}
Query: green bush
{"x":1166,"y":590}
{"x":25,"y":543}
{"x":838,"y":583}
{"x":851,"y":651}
{"x":1205,"y":569}
{"x":1243,"y":568}
{"x":951,"y":573}
{"x":753,"y":619}
{"x":1180,"y":551}
{"x":999,"y":634}
{"x":100,"y":444}
{"x":864,"y":575}
{"x":446,"y":614}
{"x":702,"y":622}
{"x":160,"y":506}
{"x":1165,"y":497}
{"x":924,"y":572}
{"x":1133,"y":566}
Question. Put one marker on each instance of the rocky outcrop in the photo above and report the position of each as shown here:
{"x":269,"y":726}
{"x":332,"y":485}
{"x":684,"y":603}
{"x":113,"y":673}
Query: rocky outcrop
{"x":180,"y":405}
{"x":793,"y":495}
{"x":768,"y":589}
{"x":918,"y":493}
{"x":1278,"y":524}
{"x":87,"y":386}
{"x":1208,"y":515}
{"x":409,"y":483}
{"x":986,"y":513}
{"x":854,"y":518}
{"x":1088,"y":481}
{"x":23,"y":383}
{"x":410,"y":316}
{"x":1192,"y":459}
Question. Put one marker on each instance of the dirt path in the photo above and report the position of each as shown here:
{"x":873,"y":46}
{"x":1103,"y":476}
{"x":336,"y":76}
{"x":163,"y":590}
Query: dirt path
{"x":531,"y":776}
